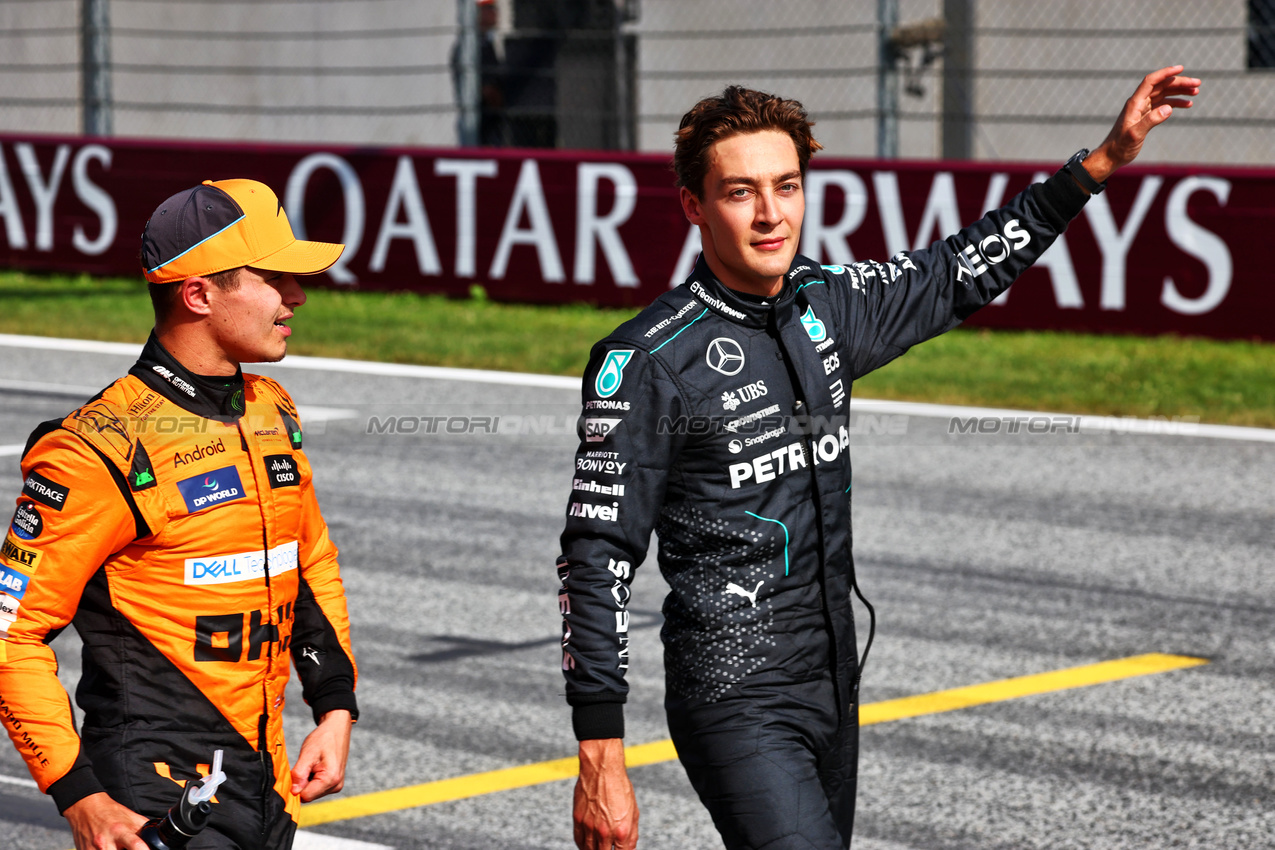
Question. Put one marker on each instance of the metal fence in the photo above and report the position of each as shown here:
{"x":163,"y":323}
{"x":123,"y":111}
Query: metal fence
{"x":980,"y":79}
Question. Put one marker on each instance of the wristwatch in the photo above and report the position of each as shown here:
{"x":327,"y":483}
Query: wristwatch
{"x":1084,"y":178}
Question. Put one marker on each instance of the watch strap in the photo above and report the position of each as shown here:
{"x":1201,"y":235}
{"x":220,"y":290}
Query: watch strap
{"x":1083,"y":177}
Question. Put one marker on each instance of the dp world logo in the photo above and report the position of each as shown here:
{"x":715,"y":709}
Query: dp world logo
{"x":814,"y":327}
{"x":725,"y":355}
{"x":612,"y":373}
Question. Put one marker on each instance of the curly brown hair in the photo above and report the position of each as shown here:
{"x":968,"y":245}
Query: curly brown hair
{"x":736,"y":110}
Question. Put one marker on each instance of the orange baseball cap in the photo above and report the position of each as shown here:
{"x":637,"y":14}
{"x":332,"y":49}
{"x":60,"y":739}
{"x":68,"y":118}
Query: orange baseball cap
{"x":223,"y":225}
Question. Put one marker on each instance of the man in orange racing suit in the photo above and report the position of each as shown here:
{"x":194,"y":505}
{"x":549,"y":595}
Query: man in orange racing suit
{"x":172,"y":521}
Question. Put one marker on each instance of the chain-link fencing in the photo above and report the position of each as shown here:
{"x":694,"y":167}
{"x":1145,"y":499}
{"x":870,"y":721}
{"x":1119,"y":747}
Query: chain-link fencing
{"x":956,"y":79}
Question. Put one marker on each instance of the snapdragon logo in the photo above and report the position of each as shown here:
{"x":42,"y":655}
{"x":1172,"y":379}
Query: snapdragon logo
{"x":212,"y":489}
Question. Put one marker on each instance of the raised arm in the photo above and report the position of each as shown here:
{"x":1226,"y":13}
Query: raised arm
{"x":1151,"y":104}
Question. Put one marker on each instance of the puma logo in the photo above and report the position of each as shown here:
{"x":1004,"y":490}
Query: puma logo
{"x":731,"y":587}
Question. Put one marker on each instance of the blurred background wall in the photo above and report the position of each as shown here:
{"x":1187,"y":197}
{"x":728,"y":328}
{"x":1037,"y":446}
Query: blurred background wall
{"x":954,"y":79}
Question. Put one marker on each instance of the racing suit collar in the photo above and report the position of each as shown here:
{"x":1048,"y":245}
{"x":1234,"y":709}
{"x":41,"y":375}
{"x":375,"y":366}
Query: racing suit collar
{"x":212,"y":397}
{"x":731,"y":305}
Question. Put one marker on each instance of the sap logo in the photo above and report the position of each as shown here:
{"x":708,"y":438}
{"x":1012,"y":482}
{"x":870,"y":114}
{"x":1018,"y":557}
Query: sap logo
{"x":606,"y":513}
{"x":596,"y":429}
{"x":976,"y":258}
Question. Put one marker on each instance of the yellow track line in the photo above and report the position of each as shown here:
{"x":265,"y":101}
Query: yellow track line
{"x":461,"y":787}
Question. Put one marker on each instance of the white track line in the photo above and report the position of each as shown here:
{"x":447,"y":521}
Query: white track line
{"x":315,"y":841}
{"x":1088,"y":424}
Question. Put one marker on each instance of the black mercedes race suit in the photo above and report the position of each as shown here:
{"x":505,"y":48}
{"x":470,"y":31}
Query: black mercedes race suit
{"x":721,"y":422}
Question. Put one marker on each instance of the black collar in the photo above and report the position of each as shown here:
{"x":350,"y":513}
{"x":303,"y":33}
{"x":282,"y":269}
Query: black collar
{"x":747,"y":310}
{"x":217,"y":397}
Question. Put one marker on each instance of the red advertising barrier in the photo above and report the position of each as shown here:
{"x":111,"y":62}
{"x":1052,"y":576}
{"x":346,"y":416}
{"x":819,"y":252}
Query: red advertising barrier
{"x":1163,"y":250}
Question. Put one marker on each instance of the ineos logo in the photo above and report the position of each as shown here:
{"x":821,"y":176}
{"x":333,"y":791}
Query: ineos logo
{"x":725,"y":355}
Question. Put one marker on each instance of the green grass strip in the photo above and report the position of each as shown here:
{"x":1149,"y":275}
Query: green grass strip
{"x":1224,"y":382}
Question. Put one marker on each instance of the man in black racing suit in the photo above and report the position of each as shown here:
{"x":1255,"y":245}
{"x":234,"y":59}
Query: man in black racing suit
{"x":718,"y":417}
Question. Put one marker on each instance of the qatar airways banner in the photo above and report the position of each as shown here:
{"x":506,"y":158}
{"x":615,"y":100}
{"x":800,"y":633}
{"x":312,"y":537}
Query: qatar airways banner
{"x":1162,"y":250}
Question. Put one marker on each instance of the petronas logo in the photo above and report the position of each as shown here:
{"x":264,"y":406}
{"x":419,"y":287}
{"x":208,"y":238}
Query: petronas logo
{"x":612,"y":373}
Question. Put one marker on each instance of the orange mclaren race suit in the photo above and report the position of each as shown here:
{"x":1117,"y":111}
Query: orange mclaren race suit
{"x":172,"y":521}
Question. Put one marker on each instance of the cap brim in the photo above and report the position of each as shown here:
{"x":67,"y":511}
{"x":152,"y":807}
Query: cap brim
{"x":301,"y":258}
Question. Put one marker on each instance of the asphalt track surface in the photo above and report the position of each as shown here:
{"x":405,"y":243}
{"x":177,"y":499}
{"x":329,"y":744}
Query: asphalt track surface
{"x":988,"y":557}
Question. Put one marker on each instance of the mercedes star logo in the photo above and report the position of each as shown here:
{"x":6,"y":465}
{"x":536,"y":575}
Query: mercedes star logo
{"x":725,"y":355}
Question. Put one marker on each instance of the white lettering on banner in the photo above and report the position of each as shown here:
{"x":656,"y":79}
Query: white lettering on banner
{"x":222,"y":569}
{"x":941,"y":217}
{"x":1202,"y":244}
{"x":890,"y":210}
{"x":466,"y":172}
{"x":605,"y":229}
{"x":43,"y":192}
{"x":405,"y":192}
{"x":355,"y":207}
{"x":1113,"y":243}
{"x":15,"y":233}
{"x":529,"y":198}
{"x":995,"y":196}
{"x":96,"y":199}
{"x":828,"y":243}
{"x":686,"y":259}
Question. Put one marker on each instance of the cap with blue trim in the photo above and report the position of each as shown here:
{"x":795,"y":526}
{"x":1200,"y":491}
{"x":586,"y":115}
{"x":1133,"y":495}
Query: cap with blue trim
{"x":222,"y":225}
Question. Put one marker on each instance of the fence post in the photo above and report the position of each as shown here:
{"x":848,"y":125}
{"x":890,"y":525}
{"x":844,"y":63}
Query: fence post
{"x":466,"y":67}
{"x":958,"y":80}
{"x":887,"y":80}
{"x":95,"y":66}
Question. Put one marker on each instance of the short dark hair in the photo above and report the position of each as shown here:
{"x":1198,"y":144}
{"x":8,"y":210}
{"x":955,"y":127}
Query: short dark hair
{"x":736,"y":110}
{"x":164,"y":295}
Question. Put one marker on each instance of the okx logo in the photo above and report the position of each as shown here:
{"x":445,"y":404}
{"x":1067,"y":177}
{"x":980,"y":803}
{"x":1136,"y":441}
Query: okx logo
{"x":612,"y":372}
{"x":211,"y":489}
